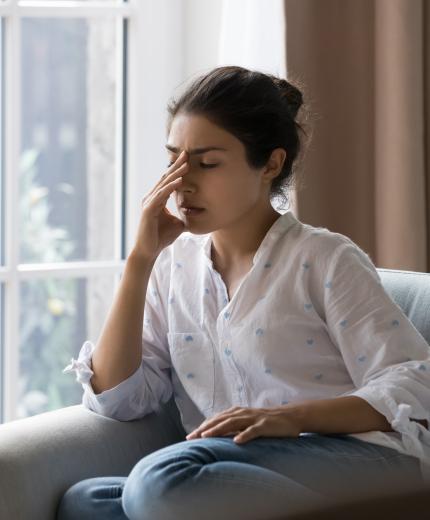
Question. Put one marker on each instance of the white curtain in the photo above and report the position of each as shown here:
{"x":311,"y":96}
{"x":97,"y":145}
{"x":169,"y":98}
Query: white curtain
{"x":252,"y":34}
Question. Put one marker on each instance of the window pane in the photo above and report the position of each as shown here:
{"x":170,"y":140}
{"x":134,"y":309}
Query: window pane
{"x":2,"y":161}
{"x":107,"y":1}
{"x":2,"y":367}
{"x":68,"y":157}
{"x":57,"y":316}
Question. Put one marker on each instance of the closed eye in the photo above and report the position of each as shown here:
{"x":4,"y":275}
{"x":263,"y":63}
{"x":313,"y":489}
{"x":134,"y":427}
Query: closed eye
{"x":203,"y":165}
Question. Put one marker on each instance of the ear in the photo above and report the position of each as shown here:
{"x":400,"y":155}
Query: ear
{"x":274,"y":164}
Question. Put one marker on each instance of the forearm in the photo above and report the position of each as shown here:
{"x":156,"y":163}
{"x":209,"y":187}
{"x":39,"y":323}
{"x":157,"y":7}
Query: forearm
{"x":349,"y":414}
{"x":118,"y":352}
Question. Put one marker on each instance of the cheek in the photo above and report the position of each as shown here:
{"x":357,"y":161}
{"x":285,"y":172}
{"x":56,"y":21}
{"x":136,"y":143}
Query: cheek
{"x":234,"y":201}
{"x":226,"y":192}
{"x":241,"y":189}
{"x":233,"y":188}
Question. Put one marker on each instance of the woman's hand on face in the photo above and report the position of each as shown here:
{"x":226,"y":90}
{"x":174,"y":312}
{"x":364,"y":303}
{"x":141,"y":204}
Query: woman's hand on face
{"x":158,"y":228}
{"x":249,"y":423}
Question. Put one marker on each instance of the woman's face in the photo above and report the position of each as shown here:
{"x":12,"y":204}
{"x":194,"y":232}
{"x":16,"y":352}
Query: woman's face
{"x":229,"y":189}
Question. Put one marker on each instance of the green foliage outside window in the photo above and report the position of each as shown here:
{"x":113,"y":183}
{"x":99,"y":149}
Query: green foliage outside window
{"x":48,"y":310}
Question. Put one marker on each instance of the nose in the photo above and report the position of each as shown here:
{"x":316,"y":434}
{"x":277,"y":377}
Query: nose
{"x":189,"y":177}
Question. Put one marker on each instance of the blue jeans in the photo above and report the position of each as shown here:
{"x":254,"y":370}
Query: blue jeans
{"x":264,"y":478}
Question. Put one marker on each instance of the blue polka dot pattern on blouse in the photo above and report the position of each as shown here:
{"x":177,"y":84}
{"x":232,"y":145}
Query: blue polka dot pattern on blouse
{"x":178,"y":264}
{"x":395,"y":323}
{"x":298,"y":345}
{"x":259,"y":332}
{"x":328,"y":285}
{"x":344,"y":323}
{"x":361,"y":358}
{"x":189,"y":338}
{"x":268,"y":370}
{"x":171,"y":300}
{"x":306,"y":265}
{"x":227,"y":315}
{"x":267,"y":265}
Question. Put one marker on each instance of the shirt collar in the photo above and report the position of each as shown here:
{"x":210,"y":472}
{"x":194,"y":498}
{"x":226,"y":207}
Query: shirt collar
{"x":278,"y":228}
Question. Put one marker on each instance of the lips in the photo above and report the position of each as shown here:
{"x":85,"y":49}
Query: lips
{"x":190,"y":206}
{"x":192,"y":211}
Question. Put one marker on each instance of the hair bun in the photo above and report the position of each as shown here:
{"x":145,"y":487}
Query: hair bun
{"x":291,"y":94}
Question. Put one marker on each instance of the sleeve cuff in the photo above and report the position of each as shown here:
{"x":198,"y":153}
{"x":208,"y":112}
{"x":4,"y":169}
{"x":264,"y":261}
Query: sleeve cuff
{"x":110,"y":397}
{"x":124,"y":390}
{"x":415,"y":436}
{"x":82,"y":365}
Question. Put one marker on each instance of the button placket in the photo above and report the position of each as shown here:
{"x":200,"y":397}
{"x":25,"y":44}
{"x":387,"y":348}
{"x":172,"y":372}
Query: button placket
{"x":226,"y":349}
{"x":228,"y":355}
{"x":222,"y":290}
{"x":226,"y":346}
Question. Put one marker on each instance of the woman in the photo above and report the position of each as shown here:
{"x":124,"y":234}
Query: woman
{"x":297,"y":378}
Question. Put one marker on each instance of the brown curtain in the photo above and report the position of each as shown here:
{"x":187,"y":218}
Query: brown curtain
{"x":365,"y":69}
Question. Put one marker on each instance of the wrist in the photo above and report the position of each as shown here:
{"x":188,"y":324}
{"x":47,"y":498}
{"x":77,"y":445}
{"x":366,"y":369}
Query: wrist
{"x":296,"y":413}
{"x":138,"y":259}
{"x":137,"y":265}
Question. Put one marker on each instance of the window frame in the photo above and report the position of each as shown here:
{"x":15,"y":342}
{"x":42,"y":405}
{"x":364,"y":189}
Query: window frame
{"x":11,"y":272}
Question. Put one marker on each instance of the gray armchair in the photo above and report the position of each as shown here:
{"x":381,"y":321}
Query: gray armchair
{"x":43,"y":455}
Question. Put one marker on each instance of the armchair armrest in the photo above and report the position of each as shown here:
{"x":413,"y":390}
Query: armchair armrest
{"x":43,"y":455}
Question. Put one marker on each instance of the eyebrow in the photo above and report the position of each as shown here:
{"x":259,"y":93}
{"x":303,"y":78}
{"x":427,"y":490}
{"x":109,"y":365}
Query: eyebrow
{"x":196,"y":151}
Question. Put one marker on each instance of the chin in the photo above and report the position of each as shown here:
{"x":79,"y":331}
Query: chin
{"x":197,"y":228}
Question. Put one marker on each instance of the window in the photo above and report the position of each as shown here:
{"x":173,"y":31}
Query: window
{"x":63,"y":68}
{"x":83,"y":92}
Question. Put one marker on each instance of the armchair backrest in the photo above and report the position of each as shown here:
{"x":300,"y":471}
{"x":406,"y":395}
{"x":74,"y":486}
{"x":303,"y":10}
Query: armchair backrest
{"x":410,"y":290}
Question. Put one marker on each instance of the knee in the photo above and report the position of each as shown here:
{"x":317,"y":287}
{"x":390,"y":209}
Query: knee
{"x":74,"y":502}
{"x":142,"y":491}
{"x":156,"y":486}
{"x":147,"y":493}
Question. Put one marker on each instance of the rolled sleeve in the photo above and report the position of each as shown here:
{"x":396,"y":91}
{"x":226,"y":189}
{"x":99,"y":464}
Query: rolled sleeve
{"x":386,"y":356}
{"x":150,"y":385}
{"x":400,"y":408}
{"x":114,"y":402}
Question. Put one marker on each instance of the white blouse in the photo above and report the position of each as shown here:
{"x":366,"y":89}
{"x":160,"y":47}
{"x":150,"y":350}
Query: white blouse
{"x":310,"y":320}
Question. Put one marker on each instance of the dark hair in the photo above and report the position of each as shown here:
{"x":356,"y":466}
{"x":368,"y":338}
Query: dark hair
{"x":258,"y":109}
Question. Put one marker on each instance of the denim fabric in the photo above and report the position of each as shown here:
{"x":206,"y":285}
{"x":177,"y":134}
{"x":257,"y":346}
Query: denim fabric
{"x":264,"y":478}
